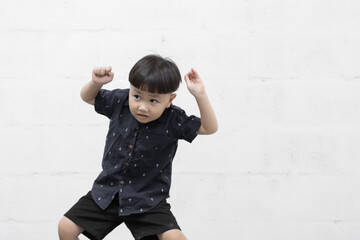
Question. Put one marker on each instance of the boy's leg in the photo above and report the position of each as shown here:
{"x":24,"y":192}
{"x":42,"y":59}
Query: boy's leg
{"x":68,"y":230}
{"x":174,"y":234}
{"x":87,"y":218}
{"x":157,"y":223}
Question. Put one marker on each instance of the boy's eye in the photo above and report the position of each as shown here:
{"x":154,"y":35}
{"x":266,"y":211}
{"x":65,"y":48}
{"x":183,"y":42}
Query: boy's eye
{"x":137,"y":97}
{"x":154,"y":101}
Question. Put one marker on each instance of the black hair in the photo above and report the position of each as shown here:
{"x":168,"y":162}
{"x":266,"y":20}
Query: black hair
{"x":155,"y":74}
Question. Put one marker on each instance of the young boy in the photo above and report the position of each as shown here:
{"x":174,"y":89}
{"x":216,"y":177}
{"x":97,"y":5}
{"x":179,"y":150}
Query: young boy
{"x":140,"y":146}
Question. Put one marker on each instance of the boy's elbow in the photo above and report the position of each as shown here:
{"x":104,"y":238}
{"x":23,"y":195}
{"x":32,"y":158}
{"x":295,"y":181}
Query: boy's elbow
{"x":214,"y":130}
{"x":204,"y":131}
{"x":92,"y":101}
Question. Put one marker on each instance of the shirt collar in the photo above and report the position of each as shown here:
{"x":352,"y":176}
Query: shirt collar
{"x":126,"y":103}
{"x":161,"y":119}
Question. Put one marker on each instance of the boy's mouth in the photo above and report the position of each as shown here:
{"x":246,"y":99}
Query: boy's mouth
{"x":142,"y":116}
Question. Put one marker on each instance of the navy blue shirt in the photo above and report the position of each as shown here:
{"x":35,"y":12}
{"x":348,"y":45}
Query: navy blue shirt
{"x":138,"y":157}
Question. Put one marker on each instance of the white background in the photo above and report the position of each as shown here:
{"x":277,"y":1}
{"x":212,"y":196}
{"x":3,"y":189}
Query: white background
{"x":283,"y":77}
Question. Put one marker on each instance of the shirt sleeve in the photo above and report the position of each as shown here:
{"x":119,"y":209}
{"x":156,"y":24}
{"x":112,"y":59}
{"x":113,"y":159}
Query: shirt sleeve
{"x":185,"y":127}
{"x":106,"y":101}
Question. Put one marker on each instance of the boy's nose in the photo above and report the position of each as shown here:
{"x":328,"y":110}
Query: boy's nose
{"x":143,"y":107}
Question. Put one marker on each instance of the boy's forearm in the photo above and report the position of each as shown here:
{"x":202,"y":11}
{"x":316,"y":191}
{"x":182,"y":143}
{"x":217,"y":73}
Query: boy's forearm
{"x":209,"y":123}
{"x":89,"y":92}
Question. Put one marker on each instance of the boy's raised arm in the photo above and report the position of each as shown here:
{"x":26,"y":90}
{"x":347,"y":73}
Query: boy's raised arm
{"x":196,"y":87}
{"x":100,"y":77}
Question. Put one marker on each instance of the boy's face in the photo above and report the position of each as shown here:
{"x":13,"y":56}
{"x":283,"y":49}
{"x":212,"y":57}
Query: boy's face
{"x":146,"y":106}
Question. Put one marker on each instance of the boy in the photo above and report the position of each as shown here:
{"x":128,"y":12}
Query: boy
{"x":140,"y":146}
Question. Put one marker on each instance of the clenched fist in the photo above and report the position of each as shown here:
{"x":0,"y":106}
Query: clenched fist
{"x":102,"y":75}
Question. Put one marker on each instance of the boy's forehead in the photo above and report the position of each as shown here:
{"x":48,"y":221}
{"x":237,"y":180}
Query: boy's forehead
{"x":139,"y":91}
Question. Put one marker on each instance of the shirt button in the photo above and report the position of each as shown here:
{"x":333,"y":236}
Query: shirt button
{"x":122,"y":182}
{"x":126,"y":164}
{"x":137,"y":127}
{"x":131,"y":146}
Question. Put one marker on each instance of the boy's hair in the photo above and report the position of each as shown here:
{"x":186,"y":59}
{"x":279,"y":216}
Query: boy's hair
{"x":155,"y":74}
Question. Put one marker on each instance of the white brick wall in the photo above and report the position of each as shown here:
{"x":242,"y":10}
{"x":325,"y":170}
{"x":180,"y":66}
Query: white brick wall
{"x":283,"y":76}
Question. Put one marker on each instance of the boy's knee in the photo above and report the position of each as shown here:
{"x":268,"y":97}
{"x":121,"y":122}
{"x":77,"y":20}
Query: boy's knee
{"x":174,"y":234}
{"x":68,"y":230}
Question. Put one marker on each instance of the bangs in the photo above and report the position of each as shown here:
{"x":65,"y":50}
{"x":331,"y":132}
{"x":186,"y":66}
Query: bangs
{"x":155,"y":74}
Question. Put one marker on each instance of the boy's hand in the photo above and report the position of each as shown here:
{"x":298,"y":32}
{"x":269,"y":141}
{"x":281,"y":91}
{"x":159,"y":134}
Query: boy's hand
{"x":102,"y":75}
{"x":194,"y":83}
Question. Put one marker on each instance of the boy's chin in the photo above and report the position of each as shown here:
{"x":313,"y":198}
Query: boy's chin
{"x":143,"y":120}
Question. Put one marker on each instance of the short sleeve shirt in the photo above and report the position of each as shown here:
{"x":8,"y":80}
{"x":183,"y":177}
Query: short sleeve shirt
{"x":137,"y":160}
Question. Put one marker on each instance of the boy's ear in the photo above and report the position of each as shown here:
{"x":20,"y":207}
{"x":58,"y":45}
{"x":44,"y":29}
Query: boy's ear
{"x":173,"y":96}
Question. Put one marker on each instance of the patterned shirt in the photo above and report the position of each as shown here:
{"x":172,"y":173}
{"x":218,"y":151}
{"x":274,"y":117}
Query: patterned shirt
{"x":138,"y":157}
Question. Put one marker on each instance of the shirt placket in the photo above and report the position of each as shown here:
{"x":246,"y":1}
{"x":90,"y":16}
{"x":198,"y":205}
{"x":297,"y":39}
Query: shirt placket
{"x":125,"y":179}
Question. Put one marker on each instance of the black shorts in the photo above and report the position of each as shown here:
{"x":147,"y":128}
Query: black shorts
{"x":97,"y":223}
